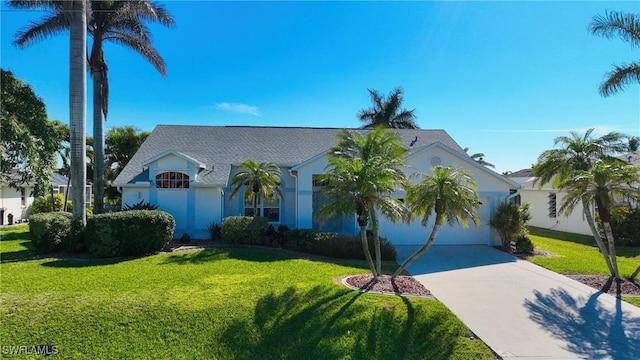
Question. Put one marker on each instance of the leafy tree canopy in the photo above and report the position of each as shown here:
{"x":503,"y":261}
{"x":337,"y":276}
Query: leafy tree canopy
{"x":28,"y":140}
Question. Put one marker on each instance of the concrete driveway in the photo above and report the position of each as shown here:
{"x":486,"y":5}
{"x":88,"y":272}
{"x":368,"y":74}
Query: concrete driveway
{"x":524,"y":311}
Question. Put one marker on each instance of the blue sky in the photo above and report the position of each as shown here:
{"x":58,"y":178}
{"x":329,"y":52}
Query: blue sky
{"x":503,"y":78}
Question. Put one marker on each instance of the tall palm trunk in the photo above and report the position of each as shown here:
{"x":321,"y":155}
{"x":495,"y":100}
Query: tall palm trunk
{"x":420,"y":251}
{"x":635,"y":273}
{"x":98,"y":144}
{"x":77,"y":106}
{"x":367,"y":253}
{"x":605,"y":217}
{"x":596,"y":234}
{"x":612,"y":248}
{"x":376,"y":239}
{"x":100,"y":95}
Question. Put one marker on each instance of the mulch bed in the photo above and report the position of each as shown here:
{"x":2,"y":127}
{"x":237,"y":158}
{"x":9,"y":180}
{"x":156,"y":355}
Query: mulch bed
{"x":604,"y":282}
{"x":402,"y":285}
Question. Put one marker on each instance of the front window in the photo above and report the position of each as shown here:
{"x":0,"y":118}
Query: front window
{"x":172,"y":180}
{"x":268,"y":207}
{"x":552,"y":202}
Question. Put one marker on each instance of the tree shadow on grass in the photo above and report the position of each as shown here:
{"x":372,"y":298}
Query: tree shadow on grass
{"x":588,"y":328}
{"x":15,"y":235}
{"x":325,"y":323}
{"x":254,"y":254}
{"x":21,"y":255}
{"x":84,"y":262}
{"x":197,"y":256}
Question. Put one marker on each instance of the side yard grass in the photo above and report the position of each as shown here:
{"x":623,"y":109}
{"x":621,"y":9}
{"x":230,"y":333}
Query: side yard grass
{"x":227,"y":303}
{"x":576,"y":254}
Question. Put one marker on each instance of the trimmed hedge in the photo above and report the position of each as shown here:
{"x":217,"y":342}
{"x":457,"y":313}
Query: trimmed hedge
{"x":244,"y":230}
{"x":49,"y":231}
{"x":129,"y":233}
{"x":334,"y":245}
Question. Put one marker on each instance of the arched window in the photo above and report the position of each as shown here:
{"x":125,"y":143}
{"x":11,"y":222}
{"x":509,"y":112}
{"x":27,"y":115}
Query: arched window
{"x":172,"y":180}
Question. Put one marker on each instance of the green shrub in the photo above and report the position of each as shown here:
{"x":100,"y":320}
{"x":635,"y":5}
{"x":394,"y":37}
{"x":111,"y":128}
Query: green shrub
{"x":74,"y":241}
{"x":215,"y":232}
{"x":333,"y":245}
{"x":185,"y":238}
{"x":510,"y":221}
{"x":298,"y":239}
{"x":42,"y":204}
{"x":244,"y":229}
{"x":140,"y":206}
{"x":524,"y":244}
{"x":129,"y":233}
{"x":625,"y":226}
{"x":48,"y":231}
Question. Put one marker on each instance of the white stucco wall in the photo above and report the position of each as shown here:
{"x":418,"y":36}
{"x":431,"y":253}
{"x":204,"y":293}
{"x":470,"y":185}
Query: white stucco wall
{"x":135,"y":193}
{"x":538,"y":200}
{"x":193,"y":209}
{"x":10,"y":201}
{"x":207,"y":209}
{"x":492,"y":190}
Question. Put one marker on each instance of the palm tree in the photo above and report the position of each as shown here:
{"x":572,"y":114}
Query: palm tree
{"x":78,"y":107}
{"x":604,"y":184}
{"x":386,"y":112}
{"x":364,"y":171}
{"x":262,"y":180}
{"x":627,"y":27}
{"x":579,"y":153}
{"x":121,"y":144}
{"x":450,"y":195}
{"x":119,"y":22}
{"x":479,"y":158}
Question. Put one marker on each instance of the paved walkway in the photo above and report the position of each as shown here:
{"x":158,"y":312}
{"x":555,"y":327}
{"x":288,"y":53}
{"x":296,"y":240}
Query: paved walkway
{"x":524,"y":311}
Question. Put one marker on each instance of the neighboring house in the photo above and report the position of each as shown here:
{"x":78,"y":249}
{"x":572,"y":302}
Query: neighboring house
{"x":14,"y":202}
{"x":17,"y":201}
{"x":60,"y":184}
{"x":186,"y":171}
{"x":545,"y":202}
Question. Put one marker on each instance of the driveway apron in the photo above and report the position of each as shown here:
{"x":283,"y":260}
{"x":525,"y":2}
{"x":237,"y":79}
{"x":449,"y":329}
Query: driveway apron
{"x":522,"y":310}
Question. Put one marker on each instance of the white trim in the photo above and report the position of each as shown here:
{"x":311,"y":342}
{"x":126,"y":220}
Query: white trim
{"x":187,"y":158}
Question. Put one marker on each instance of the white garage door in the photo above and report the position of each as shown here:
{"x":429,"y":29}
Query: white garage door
{"x":415,"y":234}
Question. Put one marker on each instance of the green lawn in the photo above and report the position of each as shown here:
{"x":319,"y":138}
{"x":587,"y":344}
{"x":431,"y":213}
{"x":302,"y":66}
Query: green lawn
{"x":576,"y":254}
{"x":231,"y":303}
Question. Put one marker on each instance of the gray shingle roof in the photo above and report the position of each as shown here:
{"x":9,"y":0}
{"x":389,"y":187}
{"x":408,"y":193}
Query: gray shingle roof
{"x":220,"y":147}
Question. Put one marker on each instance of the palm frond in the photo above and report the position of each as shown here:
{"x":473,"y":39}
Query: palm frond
{"x":624,"y":25}
{"x":618,"y":78}
{"x":50,"y":25}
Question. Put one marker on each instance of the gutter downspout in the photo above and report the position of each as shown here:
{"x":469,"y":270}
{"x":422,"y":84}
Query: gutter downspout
{"x":296,"y":177}
{"x":221,"y":205}
{"x":511,"y":196}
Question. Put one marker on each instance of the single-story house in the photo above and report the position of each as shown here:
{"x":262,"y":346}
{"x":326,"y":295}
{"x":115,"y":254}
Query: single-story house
{"x":545,"y":202}
{"x":16,"y":202}
{"x":187,"y":170}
